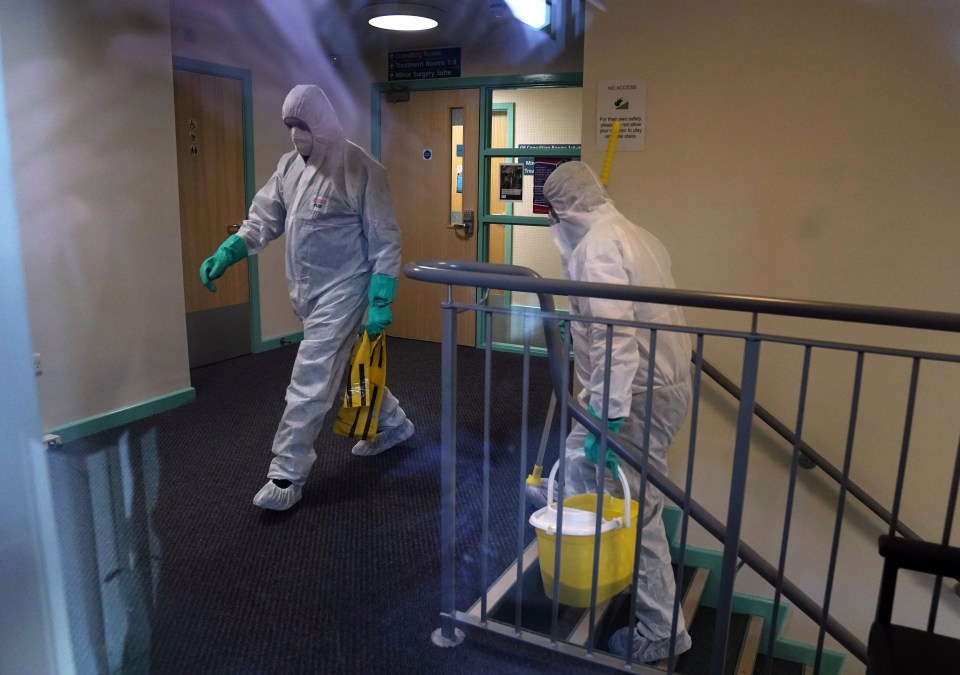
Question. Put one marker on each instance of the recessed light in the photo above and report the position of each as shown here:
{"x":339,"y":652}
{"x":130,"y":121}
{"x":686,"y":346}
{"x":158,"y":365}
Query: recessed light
{"x":403,"y":16}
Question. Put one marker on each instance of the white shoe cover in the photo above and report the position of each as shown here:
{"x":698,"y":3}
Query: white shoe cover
{"x":645,"y":650}
{"x":384,"y":440}
{"x":276,"y":498}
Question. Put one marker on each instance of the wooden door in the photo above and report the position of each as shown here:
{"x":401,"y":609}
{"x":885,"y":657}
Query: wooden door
{"x":422,"y":146}
{"x":209,"y":119}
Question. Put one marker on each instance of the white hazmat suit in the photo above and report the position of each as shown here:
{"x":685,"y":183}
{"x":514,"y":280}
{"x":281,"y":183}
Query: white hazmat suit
{"x":598,"y":244}
{"x":332,"y":201}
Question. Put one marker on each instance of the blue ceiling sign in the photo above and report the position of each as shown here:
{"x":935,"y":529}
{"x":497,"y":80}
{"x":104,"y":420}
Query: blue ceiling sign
{"x":423,"y":64}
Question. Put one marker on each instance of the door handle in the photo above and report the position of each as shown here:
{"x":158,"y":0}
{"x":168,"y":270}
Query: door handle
{"x":466,"y":226}
{"x":233,"y":229}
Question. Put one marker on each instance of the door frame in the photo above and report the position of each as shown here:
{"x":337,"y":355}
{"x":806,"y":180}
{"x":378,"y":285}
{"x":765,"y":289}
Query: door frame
{"x":486,"y":86}
{"x":249,"y":180}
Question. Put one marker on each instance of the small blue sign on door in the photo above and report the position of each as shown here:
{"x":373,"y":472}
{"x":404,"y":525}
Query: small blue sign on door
{"x":427,"y":154}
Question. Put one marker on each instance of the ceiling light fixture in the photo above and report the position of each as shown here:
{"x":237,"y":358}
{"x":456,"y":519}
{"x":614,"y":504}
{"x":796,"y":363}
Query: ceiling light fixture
{"x":406,"y":16}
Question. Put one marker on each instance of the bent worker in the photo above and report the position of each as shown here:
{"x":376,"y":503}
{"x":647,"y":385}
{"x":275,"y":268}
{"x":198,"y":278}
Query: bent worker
{"x":599,"y":244}
{"x":333,"y":202}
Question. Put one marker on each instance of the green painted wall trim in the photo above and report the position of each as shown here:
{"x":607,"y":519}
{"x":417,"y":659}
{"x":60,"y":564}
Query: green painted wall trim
{"x":511,"y":348}
{"x":526,"y":152}
{"x":495,"y":81}
{"x":283,"y":341}
{"x":535,"y":221}
{"x":121,"y":416}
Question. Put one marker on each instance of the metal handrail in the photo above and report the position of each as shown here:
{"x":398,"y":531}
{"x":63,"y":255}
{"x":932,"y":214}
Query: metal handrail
{"x":516,"y":278}
{"x":438,"y":272}
{"x":807,"y":451}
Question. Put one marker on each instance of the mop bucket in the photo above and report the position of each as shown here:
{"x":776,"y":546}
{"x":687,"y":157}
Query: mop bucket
{"x":618,"y":540}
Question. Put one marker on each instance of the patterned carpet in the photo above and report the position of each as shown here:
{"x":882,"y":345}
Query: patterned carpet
{"x":159,"y":531}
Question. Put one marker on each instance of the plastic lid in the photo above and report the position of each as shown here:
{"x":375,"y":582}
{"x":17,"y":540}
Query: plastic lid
{"x":576,"y":522}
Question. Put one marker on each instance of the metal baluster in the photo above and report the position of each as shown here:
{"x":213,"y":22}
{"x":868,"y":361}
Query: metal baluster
{"x":841,"y":502}
{"x":561,"y":480}
{"x":788,"y":510}
{"x":947,"y":528}
{"x":487,"y":389}
{"x":905,"y":446}
{"x":688,"y":488}
{"x":642,"y":497}
{"x":599,"y":475}
{"x":741,"y":457}
{"x":524,"y":415}
{"x":448,"y":633}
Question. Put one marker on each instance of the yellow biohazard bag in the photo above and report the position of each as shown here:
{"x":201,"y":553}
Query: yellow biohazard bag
{"x":357,"y":417}
{"x":368,"y":370}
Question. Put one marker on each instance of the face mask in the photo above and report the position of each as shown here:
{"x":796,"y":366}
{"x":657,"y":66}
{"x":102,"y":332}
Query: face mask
{"x":302,"y":141}
{"x":552,"y":218}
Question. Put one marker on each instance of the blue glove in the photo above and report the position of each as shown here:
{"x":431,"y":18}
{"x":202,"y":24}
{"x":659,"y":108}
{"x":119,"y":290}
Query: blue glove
{"x":591,"y":446}
{"x":381,"y":294}
{"x":231,"y":251}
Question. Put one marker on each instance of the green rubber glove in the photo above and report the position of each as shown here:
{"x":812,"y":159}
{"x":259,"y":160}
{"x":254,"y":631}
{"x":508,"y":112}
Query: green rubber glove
{"x":381,"y":294}
{"x":231,"y":251}
{"x":591,"y":446}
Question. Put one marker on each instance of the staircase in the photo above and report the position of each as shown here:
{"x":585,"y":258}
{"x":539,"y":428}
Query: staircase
{"x":697,"y":584}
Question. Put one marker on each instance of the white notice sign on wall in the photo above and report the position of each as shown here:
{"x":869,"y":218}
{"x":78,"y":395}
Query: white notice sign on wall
{"x":624,"y":100}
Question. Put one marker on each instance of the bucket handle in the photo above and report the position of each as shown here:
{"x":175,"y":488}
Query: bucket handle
{"x":623,"y":481}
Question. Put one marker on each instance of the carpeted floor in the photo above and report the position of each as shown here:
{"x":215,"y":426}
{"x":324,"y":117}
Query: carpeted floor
{"x":192,"y":578}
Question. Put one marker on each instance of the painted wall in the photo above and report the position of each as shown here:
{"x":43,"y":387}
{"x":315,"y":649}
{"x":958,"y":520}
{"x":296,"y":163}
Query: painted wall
{"x":90,"y":104}
{"x":33,"y":635}
{"x":805,"y":150}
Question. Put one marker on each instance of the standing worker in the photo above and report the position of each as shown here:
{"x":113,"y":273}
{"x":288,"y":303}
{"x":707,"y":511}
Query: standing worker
{"x":332,"y":200}
{"x":599,"y":244}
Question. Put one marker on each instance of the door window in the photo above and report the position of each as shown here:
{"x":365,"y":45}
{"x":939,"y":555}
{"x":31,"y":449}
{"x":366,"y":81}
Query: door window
{"x":531,"y":130}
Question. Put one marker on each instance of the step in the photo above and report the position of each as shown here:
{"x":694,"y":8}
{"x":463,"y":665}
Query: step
{"x":536,"y":608}
{"x":780,"y":667}
{"x":751,"y":647}
{"x":573,"y":623}
{"x":692,"y":593}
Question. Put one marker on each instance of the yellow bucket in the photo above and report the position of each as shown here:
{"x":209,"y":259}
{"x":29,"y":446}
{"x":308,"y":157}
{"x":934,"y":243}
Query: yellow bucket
{"x":618,"y":539}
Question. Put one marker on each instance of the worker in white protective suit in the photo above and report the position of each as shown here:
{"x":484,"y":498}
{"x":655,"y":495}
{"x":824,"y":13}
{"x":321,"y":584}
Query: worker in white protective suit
{"x":333,"y":202}
{"x":598,"y":244}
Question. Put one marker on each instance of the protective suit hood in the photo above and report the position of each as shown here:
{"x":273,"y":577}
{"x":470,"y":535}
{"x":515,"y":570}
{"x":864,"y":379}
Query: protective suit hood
{"x":580,"y":202}
{"x":308,"y":103}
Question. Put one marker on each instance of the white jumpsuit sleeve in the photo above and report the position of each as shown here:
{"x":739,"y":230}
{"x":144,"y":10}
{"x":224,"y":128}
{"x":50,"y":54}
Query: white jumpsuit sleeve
{"x":601,"y":261}
{"x":267,"y":216}
{"x":379,"y":223}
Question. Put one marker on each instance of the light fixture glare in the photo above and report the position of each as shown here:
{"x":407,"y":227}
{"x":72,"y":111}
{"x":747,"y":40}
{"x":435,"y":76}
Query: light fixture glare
{"x":402,"y":16}
{"x":402,"y":22}
{"x":534,"y":13}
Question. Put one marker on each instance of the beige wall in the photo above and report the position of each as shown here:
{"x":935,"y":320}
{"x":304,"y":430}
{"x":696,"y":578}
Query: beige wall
{"x":808,"y":150}
{"x":90,"y":103}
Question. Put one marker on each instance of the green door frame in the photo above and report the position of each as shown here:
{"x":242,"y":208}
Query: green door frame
{"x":249,"y":185}
{"x":486,"y":86}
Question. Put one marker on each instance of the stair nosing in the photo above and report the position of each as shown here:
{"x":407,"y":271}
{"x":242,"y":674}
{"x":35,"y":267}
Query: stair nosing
{"x":750,"y":647}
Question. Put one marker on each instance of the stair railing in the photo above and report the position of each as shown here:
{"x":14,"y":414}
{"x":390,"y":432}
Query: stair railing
{"x":808,"y":452}
{"x":513,"y":278}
